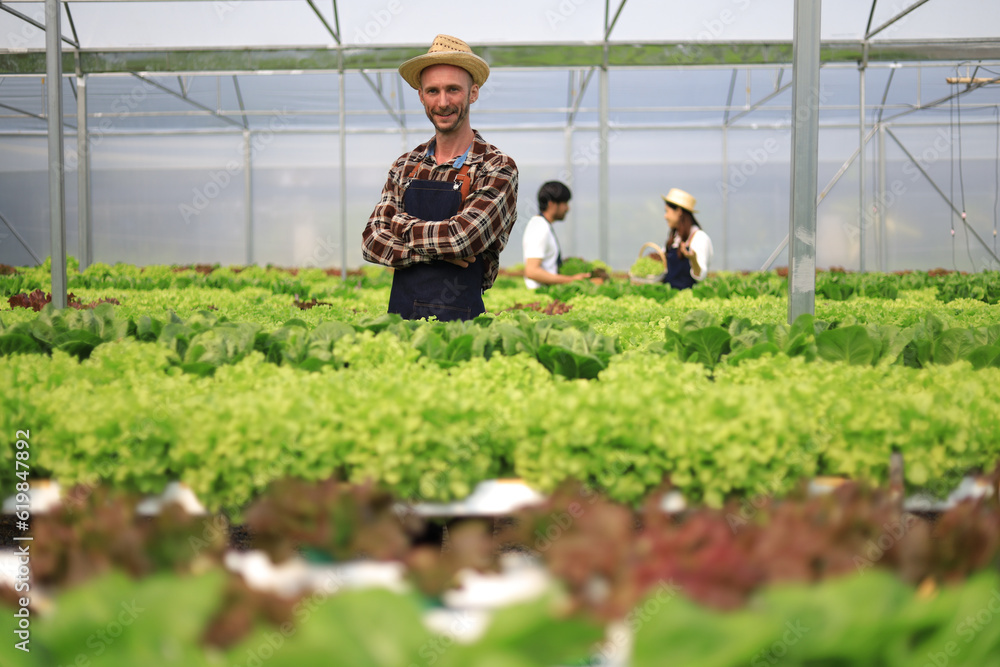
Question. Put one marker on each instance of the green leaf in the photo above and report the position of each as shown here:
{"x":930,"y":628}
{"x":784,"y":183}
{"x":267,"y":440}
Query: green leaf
{"x":561,"y":361}
{"x":697,"y":319}
{"x":708,"y":344}
{"x":985,"y":356}
{"x":143,"y":616}
{"x":528,"y":635}
{"x":673,"y":340}
{"x":380,"y":323}
{"x":951,"y":345}
{"x":754,"y":352}
{"x":199,"y":368}
{"x":78,"y":342}
{"x":431,"y":343}
{"x":148,"y":329}
{"x":340,"y":626}
{"x":18,"y":343}
{"x":851,"y":344}
{"x":460,"y":349}
{"x":894,"y":340}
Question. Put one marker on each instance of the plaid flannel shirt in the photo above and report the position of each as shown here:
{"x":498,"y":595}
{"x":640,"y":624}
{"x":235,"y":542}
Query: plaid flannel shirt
{"x":481,"y":227}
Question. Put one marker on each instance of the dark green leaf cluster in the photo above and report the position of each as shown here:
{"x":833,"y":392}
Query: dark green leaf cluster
{"x":127,"y":276}
{"x":573,"y":265}
{"x":612,"y":290}
{"x":872,"y":620}
{"x":983,"y":286}
{"x":702,"y":339}
{"x":76,"y":332}
{"x":206,"y":341}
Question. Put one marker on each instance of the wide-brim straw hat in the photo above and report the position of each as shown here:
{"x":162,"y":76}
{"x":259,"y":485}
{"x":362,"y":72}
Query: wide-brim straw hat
{"x":678,"y":197}
{"x":446,"y":50}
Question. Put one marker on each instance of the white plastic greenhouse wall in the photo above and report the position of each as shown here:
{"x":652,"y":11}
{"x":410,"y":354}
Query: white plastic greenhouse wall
{"x":214,"y":126}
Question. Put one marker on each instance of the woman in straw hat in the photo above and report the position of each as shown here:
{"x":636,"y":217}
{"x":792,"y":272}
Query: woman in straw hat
{"x":448,"y":206}
{"x":689,"y":249}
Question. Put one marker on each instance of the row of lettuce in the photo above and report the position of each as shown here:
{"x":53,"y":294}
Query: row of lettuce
{"x":846,"y":578}
{"x":567,"y":347}
{"x":429,"y":428}
{"x":318,"y":283}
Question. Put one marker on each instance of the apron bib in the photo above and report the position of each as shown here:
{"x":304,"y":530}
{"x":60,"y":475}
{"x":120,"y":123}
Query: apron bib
{"x":437,"y":288}
{"x":678,"y":273}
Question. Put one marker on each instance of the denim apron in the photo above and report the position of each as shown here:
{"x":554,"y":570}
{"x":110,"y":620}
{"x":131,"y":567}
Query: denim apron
{"x":437,"y":288}
{"x":678,"y":273}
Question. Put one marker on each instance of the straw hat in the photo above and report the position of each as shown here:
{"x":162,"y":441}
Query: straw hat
{"x":446,"y":50}
{"x":680,"y":198}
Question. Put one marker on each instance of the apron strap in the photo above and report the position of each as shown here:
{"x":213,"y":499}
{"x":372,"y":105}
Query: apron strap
{"x":466,"y":180}
{"x":463,"y":177}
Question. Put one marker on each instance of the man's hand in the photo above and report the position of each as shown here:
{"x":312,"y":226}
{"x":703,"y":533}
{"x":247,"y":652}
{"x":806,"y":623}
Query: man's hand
{"x":462,"y":262}
{"x":580,"y":276}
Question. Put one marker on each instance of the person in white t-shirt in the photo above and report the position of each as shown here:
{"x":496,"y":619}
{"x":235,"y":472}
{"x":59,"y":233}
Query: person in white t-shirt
{"x":689,"y":249}
{"x":542,"y":257}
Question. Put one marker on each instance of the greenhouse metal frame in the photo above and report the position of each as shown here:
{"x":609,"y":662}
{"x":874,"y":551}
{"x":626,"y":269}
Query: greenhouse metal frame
{"x":174,"y":70}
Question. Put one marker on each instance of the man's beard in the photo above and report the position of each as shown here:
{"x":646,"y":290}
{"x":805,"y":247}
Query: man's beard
{"x":461,"y":112}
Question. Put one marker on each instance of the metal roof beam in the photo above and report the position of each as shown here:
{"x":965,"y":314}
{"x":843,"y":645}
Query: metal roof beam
{"x":21,"y":239}
{"x":381,"y":97}
{"x":333,"y":32}
{"x":885,"y":95}
{"x":609,"y":27}
{"x":729,"y":98}
{"x":760,"y":103}
{"x":579,"y":97}
{"x":680,"y":54}
{"x":188,"y":100}
{"x":72,"y":25}
{"x":930,"y":180}
{"x":934,"y":103}
{"x":894,"y":19}
{"x":33,"y":115}
{"x":24,"y":17}
{"x":22,"y":111}
{"x":239,"y":98}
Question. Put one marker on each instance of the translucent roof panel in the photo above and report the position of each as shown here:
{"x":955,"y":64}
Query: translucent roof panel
{"x":514,"y":21}
{"x":16,"y":33}
{"x":235,"y":24}
{"x":22,"y":96}
{"x":772,"y":20}
{"x":938,"y":19}
{"x":223,"y":23}
{"x":669,"y":88}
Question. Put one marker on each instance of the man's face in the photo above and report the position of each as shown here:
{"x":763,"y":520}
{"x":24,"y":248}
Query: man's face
{"x":447,"y":92}
{"x":561,"y":209}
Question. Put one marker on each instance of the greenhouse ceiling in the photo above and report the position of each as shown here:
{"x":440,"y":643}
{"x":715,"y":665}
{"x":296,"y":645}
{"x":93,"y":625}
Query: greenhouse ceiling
{"x":101,"y":36}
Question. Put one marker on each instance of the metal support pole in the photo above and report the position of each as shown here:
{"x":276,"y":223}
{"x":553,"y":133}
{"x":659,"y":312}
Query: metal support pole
{"x":248,"y":197}
{"x":883,"y":249}
{"x":603,"y":244}
{"x":805,"y":155}
{"x":57,"y":203}
{"x":343,"y":173}
{"x":569,"y":230}
{"x":862,"y":217}
{"x":725,"y":197}
{"x":83,"y":175}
